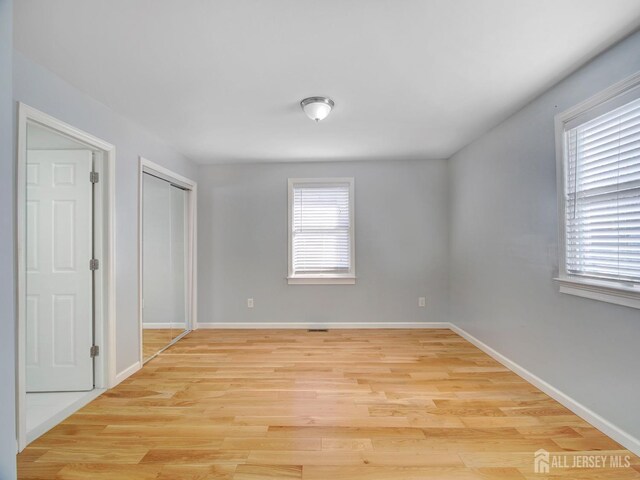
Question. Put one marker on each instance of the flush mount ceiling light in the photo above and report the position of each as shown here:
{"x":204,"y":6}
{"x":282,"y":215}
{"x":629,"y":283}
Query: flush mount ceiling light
{"x":317,"y":108}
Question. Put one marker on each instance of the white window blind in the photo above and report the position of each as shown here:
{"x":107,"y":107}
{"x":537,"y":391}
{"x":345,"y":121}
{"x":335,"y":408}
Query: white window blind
{"x":321,"y":228}
{"x":602,"y":199}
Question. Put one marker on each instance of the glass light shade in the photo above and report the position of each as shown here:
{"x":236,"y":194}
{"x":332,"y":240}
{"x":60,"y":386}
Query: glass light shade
{"x":317,"y":108}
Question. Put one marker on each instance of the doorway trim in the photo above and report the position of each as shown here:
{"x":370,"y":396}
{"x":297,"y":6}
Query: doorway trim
{"x":104,"y":221}
{"x":191,"y":187}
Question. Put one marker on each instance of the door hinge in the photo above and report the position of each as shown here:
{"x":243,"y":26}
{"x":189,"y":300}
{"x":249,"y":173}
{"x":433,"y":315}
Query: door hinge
{"x":94,"y":177}
{"x":94,"y":264}
{"x":94,"y":351}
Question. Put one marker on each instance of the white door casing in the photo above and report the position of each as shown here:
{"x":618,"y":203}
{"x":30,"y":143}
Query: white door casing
{"x":59,"y":283}
{"x":189,"y":199}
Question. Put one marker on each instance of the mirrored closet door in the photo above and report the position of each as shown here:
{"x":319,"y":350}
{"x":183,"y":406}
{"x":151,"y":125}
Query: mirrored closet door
{"x":164,"y":264}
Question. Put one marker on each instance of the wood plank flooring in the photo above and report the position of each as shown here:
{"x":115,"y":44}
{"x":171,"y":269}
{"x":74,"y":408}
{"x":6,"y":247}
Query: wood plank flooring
{"x":154,"y":340}
{"x":341,"y":405}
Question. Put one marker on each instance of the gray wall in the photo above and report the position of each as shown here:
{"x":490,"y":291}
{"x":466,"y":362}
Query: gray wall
{"x":39,"y":88}
{"x":7,"y":282}
{"x":504,"y":243}
{"x":400,"y":252}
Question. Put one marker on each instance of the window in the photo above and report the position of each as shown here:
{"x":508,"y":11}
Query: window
{"x":600,"y":205}
{"x":321,"y":231}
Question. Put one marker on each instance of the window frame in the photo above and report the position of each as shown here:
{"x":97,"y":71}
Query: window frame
{"x":611,"y":291}
{"x":347,"y":278}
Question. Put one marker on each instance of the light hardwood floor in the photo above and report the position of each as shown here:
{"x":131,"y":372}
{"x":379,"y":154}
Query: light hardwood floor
{"x":154,"y":340}
{"x":342,"y":405}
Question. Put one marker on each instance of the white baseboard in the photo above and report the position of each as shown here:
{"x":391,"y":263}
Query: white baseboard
{"x":615,"y":432}
{"x":157,"y":326}
{"x":127,"y":372}
{"x":328,"y":325}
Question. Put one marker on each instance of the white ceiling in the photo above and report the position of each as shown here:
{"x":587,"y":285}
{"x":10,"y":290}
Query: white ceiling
{"x":221,"y":81}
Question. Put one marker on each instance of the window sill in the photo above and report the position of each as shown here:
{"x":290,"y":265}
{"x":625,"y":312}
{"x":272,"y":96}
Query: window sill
{"x":604,"y":291}
{"x":321,"y":280}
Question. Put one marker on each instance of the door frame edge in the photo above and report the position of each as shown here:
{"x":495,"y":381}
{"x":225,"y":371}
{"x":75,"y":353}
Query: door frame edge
{"x":107,"y":324}
{"x":191,"y":186}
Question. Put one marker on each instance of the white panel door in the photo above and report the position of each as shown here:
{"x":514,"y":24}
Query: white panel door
{"x":59,"y":307}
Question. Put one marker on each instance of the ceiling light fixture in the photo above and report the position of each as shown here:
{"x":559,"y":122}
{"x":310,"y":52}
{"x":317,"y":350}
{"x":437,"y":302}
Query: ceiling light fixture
{"x":317,"y":108}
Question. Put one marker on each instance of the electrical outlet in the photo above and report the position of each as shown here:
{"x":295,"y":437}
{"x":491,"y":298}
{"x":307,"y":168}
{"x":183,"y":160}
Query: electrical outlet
{"x":249,"y":302}
{"x":422,"y":302}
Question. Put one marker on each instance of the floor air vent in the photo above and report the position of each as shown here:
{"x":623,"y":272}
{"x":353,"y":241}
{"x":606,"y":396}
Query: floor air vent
{"x":317,"y":330}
